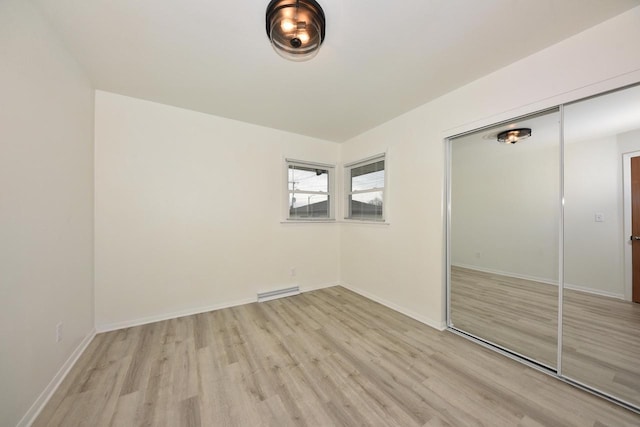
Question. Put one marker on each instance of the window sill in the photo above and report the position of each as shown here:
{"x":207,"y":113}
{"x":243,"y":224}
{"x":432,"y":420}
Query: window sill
{"x":308,"y":221}
{"x":333,"y":221}
{"x":364,"y":221}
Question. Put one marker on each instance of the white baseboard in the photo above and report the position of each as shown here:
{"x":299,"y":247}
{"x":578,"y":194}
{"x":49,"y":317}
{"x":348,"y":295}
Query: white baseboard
{"x":594,"y":291}
{"x":53,"y":385}
{"x":508,"y":274}
{"x":570,"y":286}
{"x":439,"y":325}
{"x":304,"y":289}
{"x":108,"y":327}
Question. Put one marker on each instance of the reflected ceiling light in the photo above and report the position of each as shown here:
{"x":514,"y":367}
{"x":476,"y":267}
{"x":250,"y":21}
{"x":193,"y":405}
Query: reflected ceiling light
{"x":512,"y":136}
{"x":295,"y":28}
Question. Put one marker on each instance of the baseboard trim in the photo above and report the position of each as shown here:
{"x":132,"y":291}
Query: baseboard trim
{"x":543,"y":280}
{"x":508,"y":274}
{"x":53,"y":385}
{"x":594,"y":291}
{"x":304,"y":289}
{"x":439,"y":325}
{"x":108,"y":327}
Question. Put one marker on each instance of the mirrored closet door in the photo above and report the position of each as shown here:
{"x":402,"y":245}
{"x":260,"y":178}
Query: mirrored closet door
{"x":503,"y":241}
{"x":601,"y":323}
{"x":543,"y":225}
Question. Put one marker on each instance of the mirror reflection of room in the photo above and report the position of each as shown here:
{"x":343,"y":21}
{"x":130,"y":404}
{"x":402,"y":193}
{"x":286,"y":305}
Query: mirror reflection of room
{"x":514,"y":206}
{"x":505,"y":215}
{"x":601,"y":323}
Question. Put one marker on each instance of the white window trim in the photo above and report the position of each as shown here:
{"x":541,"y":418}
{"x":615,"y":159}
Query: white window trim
{"x":347,"y":185}
{"x":331,"y":193}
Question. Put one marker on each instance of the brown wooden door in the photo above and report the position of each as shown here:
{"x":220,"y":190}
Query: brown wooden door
{"x":635,"y":226}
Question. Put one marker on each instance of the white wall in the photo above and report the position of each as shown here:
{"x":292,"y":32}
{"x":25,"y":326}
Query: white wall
{"x":189,"y":209}
{"x":505,"y":200}
{"x":628,"y":141}
{"x":593,"y":184}
{"x":399,"y":264}
{"x":505,"y":203}
{"x":46,"y":208}
{"x":504,"y":210}
{"x":403,"y":264}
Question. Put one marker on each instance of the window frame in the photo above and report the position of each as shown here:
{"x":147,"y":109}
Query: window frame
{"x":330,"y":193}
{"x":348,"y":192}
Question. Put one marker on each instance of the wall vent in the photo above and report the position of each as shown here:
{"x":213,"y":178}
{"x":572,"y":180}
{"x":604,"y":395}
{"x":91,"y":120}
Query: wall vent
{"x":278,"y":293}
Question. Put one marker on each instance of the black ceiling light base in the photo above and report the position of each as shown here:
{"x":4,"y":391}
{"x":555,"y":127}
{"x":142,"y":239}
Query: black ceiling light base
{"x":512,"y":136}
{"x":296,"y":28}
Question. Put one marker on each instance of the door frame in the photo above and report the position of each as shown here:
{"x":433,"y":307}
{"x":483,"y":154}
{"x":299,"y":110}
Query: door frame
{"x":628,"y":250}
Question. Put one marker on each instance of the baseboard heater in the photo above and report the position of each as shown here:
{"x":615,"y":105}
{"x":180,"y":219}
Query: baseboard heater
{"x":278,"y":293}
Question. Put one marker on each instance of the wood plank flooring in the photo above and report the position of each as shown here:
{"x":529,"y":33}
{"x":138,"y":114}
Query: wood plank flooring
{"x":601,"y":335}
{"x":601,"y":344}
{"x":323,"y":358}
{"x":515,"y":313}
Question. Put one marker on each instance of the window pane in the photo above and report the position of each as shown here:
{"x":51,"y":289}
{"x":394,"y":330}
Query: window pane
{"x":367,"y":177}
{"x":308,"y":179}
{"x":303,"y":205}
{"x":366,"y":205}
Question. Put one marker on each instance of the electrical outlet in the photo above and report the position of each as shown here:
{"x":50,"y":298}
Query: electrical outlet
{"x":292,"y":272}
{"x":59,"y":332}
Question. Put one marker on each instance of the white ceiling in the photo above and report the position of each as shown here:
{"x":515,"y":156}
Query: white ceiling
{"x":379,"y":59}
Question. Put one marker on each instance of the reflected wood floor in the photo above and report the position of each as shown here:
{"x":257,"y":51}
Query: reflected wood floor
{"x":518,"y":314}
{"x":323,"y":358}
{"x":601,"y":335}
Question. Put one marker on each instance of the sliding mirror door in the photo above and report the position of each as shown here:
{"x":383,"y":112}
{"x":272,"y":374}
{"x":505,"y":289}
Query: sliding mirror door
{"x":601,"y":323}
{"x":503,"y":240}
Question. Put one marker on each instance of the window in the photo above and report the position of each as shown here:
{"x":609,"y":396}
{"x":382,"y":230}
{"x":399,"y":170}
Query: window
{"x":365,"y":181}
{"x":310,"y":188}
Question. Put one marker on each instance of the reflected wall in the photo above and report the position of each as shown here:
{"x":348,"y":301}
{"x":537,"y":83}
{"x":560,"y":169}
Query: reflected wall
{"x":504,"y":237}
{"x":549,"y":221}
{"x":601,"y":325}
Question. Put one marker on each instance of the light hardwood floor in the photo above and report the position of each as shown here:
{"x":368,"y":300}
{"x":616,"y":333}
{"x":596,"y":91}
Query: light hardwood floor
{"x":601,"y":335}
{"x":323,"y":358}
{"x":518,"y":314}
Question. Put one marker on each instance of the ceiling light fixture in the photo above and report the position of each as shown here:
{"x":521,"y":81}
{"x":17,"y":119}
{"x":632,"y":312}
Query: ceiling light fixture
{"x":295,"y":28}
{"x":512,"y":136}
